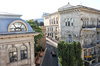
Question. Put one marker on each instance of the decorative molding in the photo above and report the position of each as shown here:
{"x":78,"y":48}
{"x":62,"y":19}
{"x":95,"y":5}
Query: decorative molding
{"x":2,"y":47}
{"x":15,"y":22}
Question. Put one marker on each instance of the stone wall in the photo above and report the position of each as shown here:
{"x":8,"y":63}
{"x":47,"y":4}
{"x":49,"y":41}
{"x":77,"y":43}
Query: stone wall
{"x":9,"y":41}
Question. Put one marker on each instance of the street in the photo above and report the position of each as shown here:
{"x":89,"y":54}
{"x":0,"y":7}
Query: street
{"x":48,"y":59}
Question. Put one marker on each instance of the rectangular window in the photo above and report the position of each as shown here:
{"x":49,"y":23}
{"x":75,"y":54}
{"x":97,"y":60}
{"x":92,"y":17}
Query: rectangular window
{"x":57,"y":20}
{"x":54,"y":20}
{"x":65,"y":22}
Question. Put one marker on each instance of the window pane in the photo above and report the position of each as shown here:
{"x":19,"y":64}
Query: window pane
{"x":71,"y":21}
{"x":17,"y":24}
{"x":68,"y":22}
{"x":23,"y":52}
{"x":13,"y":54}
{"x":65,"y":22}
{"x":18,"y":27}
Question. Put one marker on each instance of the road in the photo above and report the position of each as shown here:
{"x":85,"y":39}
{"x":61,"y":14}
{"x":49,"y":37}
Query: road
{"x":48,"y":59}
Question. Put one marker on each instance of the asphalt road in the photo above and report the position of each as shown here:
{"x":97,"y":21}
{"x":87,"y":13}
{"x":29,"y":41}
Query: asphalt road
{"x":48,"y":59}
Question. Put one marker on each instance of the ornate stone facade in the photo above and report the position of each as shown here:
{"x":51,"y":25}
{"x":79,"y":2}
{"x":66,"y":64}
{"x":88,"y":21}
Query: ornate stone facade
{"x":82,"y":24}
{"x":16,"y":41}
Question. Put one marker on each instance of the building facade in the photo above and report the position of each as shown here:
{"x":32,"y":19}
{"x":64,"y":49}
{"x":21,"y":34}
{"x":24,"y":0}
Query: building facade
{"x":52,"y":26}
{"x":16,"y":41}
{"x":81,"y":24}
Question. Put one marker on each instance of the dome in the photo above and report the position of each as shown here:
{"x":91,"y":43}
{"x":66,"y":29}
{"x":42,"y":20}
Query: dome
{"x":7,"y":20}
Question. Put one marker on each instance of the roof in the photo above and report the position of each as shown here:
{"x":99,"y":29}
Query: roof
{"x":7,"y":19}
{"x":65,"y":7}
{"x":68,"y":6}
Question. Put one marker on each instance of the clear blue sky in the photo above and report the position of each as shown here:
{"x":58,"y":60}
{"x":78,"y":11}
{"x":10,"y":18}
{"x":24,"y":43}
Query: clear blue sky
{"x":31,"y":9}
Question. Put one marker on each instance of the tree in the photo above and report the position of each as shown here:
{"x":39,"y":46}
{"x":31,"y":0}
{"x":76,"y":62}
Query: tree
{"x":69,"y":54}
{"x":37,"y":29}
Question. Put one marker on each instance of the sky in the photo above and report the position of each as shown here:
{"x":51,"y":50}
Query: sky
{"x":32,"y":9}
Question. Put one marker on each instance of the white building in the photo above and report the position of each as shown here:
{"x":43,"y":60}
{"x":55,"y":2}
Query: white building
{"x":82,"y":24}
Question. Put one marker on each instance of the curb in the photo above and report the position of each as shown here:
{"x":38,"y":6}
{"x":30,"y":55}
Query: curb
{"x":43,"y":57}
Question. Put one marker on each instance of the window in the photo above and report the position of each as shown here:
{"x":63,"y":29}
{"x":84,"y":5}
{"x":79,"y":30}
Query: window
{"x":54,"y":20}
{"x":48,"y":34}
{"x":65,"y":22}
{"x":56,"y":28}
{"x":69,"y":38}
{"x":48,"y":29}
{"x":49,"y":21}
{"x":68,"y":22}
{"x":57,"y":20}
{"x":71,"y":21}
{"x":13,"y":54}
{"x":18,"y":26}
{"x":23,"y":52}
{"x":52,"y":35}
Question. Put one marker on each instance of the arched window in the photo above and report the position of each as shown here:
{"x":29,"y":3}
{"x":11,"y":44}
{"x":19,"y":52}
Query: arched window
{"x":13,"y":54}
{"x":65,"y":22}
{"x":23,"y":52}
{"x":69,"y":38}
{"x":18,"y":26}
{"x":68,"y":21}
{"x":71,"y":21}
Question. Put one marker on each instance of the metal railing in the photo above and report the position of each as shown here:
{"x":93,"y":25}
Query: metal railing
{"x":90,"y":26}
{"x":89,"y":45}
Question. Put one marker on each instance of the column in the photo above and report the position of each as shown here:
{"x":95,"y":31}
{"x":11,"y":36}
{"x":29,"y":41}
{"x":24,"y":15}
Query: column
{"x":32,"y":53}
{"x":3,"y":55}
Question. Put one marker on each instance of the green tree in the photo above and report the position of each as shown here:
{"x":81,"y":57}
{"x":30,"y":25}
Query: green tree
{"x":69,"y":54}
{"x":37,"y":29}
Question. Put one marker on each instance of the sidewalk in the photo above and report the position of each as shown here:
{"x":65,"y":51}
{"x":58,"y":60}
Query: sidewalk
{"x":53,"y":43}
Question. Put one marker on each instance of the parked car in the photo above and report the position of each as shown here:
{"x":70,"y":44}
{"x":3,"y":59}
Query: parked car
{"x":53,"y":53}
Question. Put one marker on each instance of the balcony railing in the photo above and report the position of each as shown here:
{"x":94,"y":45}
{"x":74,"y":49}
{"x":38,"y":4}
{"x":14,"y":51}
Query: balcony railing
{"x":89,"y":46}
{"x":90,"y":57}
{"x":90,"y":26}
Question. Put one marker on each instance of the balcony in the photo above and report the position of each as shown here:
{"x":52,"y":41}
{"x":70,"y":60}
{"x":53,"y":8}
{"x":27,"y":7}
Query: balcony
{"x":88,"y":26}
{"x":89,"y":46}
{"x":90,"y":57}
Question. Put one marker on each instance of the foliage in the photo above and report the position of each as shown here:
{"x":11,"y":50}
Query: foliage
{"x":37,"y":29}
{"x":69,"y":54}
{"x":39,"y":23}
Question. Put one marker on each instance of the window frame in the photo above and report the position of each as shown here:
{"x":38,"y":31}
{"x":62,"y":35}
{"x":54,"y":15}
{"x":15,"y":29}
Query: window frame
{"x":23,"y":51}
{"x":69,"y":38}
{"x":68,"y":21}
{"x":12,"y":52}
{"x":16,"y":21}
{"x":72,"y":21}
